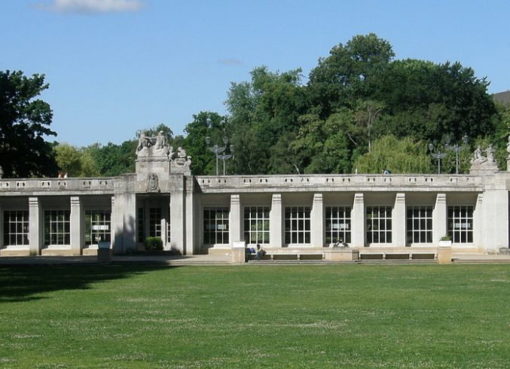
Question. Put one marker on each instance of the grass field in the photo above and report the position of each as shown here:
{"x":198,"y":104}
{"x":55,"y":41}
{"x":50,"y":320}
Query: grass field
{"x":322,"y":316}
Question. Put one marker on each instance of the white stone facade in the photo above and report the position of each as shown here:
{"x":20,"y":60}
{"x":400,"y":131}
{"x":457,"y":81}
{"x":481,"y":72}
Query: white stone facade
{"x":200,"y":214}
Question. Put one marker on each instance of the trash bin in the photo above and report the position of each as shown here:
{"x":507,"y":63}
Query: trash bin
{"x":104,"y":253}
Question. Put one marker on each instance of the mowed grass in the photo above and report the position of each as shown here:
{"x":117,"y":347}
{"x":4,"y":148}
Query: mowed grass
{"x":321,"y":316}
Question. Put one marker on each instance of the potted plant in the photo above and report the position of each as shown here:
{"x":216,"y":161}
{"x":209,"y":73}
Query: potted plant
{"x":445,"y":241}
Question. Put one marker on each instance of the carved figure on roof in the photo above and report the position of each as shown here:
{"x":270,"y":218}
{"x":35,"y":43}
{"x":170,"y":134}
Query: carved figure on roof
{"x":143,"y":142}
{"x":161,"y":141}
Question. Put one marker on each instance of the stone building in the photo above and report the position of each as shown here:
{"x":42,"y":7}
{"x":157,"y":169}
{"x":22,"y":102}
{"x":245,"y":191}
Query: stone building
{"x":404,"y":213}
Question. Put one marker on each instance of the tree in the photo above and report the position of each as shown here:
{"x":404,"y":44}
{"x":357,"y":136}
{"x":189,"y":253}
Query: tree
{"x":24,"y":123}
{"x":68,"y":159}
{"x":264,"y":115}
{"x":345,"y":75}
{"x":205,"y":124}
{"x":396,"y":155}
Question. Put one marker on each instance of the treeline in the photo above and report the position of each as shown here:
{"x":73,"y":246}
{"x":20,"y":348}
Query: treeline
{"x":360,"y":110}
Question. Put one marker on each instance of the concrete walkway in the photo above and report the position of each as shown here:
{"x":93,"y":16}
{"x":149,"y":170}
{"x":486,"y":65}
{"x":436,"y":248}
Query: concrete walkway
{"x":225,"y":260}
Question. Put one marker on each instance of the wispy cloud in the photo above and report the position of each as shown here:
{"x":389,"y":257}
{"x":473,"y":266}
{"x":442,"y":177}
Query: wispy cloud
{"x":91,"y":6}
{"x":230,"y":61}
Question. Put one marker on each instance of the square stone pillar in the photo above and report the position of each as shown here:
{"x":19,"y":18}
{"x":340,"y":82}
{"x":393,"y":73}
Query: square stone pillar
{"x":35,"y":229}
{"x":358,"y":221}
{"x":398,"y":220}
{"x":235,"y":219}
{"x":439,"y":219}
{"x":276,"y":221}
{"x":1,"y":226}
{"x":478,"y":222}
{"x":177,"y":221}
{"x":317,"y":220}
{"x":112,"y":221}
{"x":191,"y":217}
{"x":124,"y":222}
{"x":495,"y":213}
{"x":76,"y":220}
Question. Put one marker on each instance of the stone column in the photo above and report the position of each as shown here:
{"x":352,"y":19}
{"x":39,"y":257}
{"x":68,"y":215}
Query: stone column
{"x":439,"y":219}
{"x":495,"y":212}
{"x":178,"y":220}
{"x":235,"y":219}
{"x":317,"y":220}
{"x":124,"y":222}
{"x":478,"y":222}
{"x":1,"y":226}
{"x":113,"y":221}
{"x":77,"y":230}
{"x":358,"y":221}
{"x":35,"y":231}
{"x":191,"y":217}
{"x":276,"y":221}
{"x":398,"y":220}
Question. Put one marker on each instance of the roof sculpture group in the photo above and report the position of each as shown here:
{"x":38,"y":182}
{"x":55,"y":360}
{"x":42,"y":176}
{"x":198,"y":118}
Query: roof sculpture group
{"x":157,"y":148}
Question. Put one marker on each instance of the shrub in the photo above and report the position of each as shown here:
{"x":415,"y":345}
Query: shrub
{"x":153,"y":244}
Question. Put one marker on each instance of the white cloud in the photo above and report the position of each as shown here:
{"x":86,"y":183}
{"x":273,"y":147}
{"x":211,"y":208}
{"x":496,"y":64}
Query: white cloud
{"x":230,"y":61}
{"x":92,"y":6}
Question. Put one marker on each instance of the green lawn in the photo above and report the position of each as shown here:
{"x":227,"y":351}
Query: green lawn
{"x":321,"y":316}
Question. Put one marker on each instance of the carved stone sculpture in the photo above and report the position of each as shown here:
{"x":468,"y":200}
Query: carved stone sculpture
{"x":152,"y":146}
{"x":152,"y":183}
{"x":481,"y":163}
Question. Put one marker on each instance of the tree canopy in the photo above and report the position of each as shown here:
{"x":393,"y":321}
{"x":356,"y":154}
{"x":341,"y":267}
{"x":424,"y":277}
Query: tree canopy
{"x":360,"y":108}
{"x":24,"y":125}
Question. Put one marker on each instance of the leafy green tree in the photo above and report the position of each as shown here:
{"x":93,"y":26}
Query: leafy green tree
{"x":24,"y":123}
{"x":396,"y":155}
{"x":68,"y":159}
{"x":264,"y":115}
{"x":112,"y":159}
{"x":345,"y":75}
{"x":427,"y":100}
{"x":205,"y":126}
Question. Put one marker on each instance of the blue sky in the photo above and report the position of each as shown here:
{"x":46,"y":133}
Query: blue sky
{"x":117,"y":66}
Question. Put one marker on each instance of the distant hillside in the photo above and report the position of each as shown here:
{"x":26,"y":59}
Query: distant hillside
{"x":502,"y":97}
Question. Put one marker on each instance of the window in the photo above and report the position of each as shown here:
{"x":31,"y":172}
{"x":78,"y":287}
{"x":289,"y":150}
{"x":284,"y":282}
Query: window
{"x":168,"y":228}
{"x":16,"y":228}
{"x":378,"y":224}
{"x":297,"y":225}
{"x":460,"y":223}
{"x":256,"y":224}
{"x":57,"y":227}
{"x":338,"y":224}
{"x":215,"y":226}
{"x":140,"y":221}
{"x":155,"y":222}
{"x":97,"y":226}
{"x":419,"y":224}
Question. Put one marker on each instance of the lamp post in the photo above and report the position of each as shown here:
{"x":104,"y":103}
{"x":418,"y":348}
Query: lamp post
{"x":457,"y":149}
{"x":219,"y":152}
{"x":438,"y":155}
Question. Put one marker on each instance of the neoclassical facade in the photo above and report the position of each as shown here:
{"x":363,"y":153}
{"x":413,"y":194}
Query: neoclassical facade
{"x":209,"y":214}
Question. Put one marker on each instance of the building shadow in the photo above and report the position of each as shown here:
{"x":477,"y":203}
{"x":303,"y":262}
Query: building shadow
{"x":31,"y":282}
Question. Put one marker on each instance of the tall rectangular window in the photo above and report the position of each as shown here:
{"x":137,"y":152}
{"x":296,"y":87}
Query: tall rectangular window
{"x":256,"y":224}
{"x":57,"y":227}
{"x":460,"y":223}
{"x":297,"y":225}
{"x":378,"y":224}
{"x":215,"y":226}
{"x":419,"y":224}
{"x":155,"y":222}
{"x":97,"y":226}
{"x":140,"y":218}
{"x":338,"y":224}
{"x":16,"y":228}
